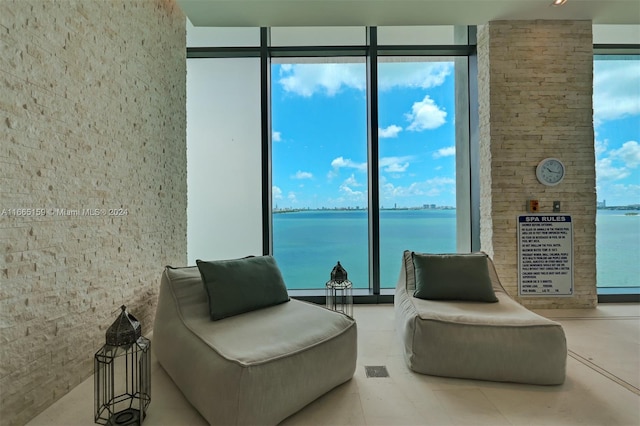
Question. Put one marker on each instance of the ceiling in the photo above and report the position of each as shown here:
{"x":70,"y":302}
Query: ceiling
{"x":274,"y":13}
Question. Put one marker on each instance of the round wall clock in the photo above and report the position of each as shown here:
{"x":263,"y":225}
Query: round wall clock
{"x":550,"y":171}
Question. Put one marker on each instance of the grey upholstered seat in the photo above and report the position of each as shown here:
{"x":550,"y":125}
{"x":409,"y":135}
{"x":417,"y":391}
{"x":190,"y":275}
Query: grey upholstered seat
{"x":255,"y":368}
{"x":501,"y":341}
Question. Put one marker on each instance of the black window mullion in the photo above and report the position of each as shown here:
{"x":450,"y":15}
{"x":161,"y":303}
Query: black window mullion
{"x":223,"y":52}
{"x":265,"y":131}
{"x":372,"y":149}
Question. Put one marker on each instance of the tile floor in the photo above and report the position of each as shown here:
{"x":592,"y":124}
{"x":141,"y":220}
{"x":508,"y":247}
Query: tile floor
{"x":602,"y":385}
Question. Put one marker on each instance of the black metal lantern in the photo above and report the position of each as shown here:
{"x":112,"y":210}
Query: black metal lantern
{"x":122,"y":374}
{"x":339,"y":294}
{"x":338,"y":274}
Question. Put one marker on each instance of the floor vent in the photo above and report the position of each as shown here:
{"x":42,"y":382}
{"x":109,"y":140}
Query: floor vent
{"x":376,"y":371}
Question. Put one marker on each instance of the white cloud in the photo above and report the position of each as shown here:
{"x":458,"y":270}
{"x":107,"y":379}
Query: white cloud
{"x":413,"y":74}
{"x":426,"y":115}
{"x":628,"y":153}
{"x":397,"y":168}
{"x":351,"y":194}
{"x":606,"y":171}
{"x":391,"y":191}
{"x":616,"y":164}
{"x":341,"y":162}
{"x":351,"y":181}
{"x":428,"y":188}
{"x":389,"y":132}
{"x":309,"y":79}
{"x":292,"y":197}
{"x":394,"y":164}
{"x":445,"y":152}
{"x":276,"y":136}
{"x":302,"y":175}
{"x":276,"y":193}
{"x":616,"y":90}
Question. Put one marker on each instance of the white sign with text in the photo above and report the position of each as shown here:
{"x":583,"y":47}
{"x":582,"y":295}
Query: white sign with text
{"x":545,"y":255}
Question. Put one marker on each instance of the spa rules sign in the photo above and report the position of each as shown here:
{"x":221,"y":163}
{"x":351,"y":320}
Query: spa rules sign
{"x":545,"y":255}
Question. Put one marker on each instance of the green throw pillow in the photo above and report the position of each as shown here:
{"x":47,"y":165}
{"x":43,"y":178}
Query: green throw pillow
{"x":453,"y":277}
{"x":242,"y":285}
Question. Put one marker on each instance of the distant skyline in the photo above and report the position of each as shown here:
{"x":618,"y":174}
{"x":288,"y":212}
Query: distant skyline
{"x":319,"y":134}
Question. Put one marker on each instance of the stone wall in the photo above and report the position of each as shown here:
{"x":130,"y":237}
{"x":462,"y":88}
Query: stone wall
{"x":535,"y":101}
{"x":93,"y":183}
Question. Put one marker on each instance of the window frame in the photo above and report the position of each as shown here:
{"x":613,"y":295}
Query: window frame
{"x":616,"y":294}
{"x":466,"y":163}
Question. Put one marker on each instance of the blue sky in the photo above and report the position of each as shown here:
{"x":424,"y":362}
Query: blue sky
{"x":320,"y":135}
{"x":320,"y":140}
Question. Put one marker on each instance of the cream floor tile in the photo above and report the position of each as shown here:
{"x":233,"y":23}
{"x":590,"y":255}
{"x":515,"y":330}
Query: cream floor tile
{"x":586,"y":398}
{"x":603,"y":310}
{"x":470,"y":407}
{"x":375,"y":346}
{"x":164,"y":416}
{"x":384,"y":403}
{"x":340,"y":407}
{"x":603,"y":341}
{"x":612,"y":344}
{"x":374,"y":317}
{"x":74,"y":409}
{"x":417,"y":389}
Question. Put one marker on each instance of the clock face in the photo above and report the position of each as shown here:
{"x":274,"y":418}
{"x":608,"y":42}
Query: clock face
{"x":550,"y":171}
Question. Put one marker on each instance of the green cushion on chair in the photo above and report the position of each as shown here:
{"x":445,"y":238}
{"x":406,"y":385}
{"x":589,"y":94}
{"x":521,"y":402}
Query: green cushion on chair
{"x":242,"y":285}
{"x":453,"y":277}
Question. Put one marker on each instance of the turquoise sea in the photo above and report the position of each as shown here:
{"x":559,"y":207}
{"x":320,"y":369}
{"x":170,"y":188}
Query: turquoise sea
{"x":307,"y":244}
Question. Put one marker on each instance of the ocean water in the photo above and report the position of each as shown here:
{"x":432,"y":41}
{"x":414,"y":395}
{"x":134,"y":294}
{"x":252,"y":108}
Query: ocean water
{"x":618,"y":248}
{"x":308,"y":244}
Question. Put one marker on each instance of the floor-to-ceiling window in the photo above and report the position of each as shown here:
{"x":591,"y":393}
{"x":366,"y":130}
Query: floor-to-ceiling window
{"x":223,"y":158}
{"x":319,"y":170}
{"x":361,"y":141}
{"x":417,"y":168}
{"x":322,"y":167}
{"x":223,"y":147}
{"x":419,"y":134}
{"x":616,"y":103}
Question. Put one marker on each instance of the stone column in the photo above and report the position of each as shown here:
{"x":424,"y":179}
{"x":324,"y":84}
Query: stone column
{"x":535,"y":82}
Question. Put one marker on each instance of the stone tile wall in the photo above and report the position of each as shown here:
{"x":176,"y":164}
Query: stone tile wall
{"x":535,"y":101}
{"x":93,"y":183}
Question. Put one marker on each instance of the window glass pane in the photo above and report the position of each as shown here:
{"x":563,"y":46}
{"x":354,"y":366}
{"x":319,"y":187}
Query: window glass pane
{"x":318,"y":36}
{"x":319,"y":171}
{"x":421,"y":35}
{"x":616,"y":104}
{"x":417,"y":151}
{"x":224,"y":208}
{"x":222,"y":37}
